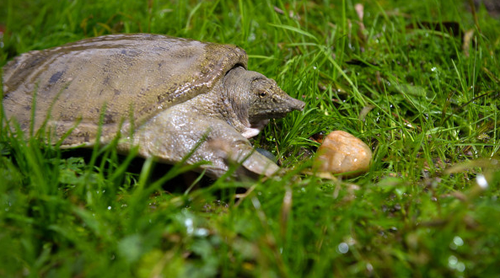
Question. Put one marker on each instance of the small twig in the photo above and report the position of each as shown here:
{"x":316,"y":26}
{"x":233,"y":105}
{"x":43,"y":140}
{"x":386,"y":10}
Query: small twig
{"x":241,"y":197}
{"x":473,"y":10}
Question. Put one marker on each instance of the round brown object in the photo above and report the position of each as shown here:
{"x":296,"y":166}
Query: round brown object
{"x":342,"y":153}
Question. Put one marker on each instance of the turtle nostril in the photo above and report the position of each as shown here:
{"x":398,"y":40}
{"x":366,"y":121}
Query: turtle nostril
{"x":298,"y":105}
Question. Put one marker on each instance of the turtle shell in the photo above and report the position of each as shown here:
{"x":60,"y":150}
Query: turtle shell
{"x":116,"y":81}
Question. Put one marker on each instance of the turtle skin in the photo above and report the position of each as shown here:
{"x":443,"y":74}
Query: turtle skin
{"x":164,"y":95}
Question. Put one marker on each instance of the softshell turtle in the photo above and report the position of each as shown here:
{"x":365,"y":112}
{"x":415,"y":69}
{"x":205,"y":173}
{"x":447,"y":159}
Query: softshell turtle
{"x":160,"y":93}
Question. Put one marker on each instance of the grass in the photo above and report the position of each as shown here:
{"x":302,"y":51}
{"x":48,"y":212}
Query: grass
{"x":401,"y":82}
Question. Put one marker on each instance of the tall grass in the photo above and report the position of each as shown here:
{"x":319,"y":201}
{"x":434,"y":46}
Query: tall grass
{"x":425,"y":105}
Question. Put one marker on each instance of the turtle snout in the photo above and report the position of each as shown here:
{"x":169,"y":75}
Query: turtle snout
{"x":288,"y":105}
{"x":292,"y":104}
{"x":296,"y":104}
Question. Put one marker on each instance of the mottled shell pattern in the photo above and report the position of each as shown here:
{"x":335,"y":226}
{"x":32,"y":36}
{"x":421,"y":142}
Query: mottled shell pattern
{"x":112,"y":73}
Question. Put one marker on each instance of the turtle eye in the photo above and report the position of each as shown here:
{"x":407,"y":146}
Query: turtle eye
{"x":262,"y":94}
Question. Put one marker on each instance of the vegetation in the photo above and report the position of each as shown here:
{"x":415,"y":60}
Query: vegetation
{"x":418,"y":81}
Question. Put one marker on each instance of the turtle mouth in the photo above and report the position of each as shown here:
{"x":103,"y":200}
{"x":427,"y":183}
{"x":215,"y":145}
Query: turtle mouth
{"x":268,"y":114}
{"x":259,"y":124}
{"x":254,"y":128}
{"x":276,"y":112}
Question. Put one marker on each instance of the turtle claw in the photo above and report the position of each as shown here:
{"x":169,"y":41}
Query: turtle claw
{"x":252,"y":163}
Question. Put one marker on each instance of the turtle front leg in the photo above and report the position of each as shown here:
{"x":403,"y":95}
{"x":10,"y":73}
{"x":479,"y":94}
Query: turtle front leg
{"x":253,"y":164}
{"x":173,"y":134}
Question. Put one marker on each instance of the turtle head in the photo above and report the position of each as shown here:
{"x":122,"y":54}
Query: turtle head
{"x":256,"y":98}
{"x":267,"y":100}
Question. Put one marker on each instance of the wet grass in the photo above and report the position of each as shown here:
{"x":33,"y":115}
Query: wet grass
{"x":425,"y":98}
